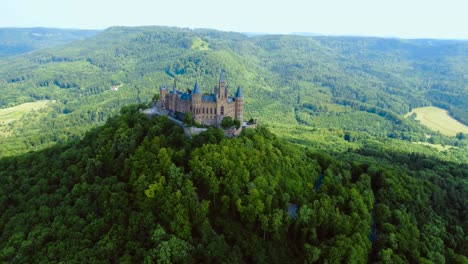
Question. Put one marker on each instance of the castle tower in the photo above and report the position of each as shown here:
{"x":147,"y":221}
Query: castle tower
{"x":196,"y":102}
{"x":221,"y":99}
{"x":239,"y":107}
{"x":162,"y":96}
{"x":173,"y":100}
{"x":222,"y":92}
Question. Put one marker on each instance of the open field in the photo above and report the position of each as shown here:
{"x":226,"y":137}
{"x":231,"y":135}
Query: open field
{"x":11,"y":114}
{"x":8,"y":115}
{"x":438,"y":119}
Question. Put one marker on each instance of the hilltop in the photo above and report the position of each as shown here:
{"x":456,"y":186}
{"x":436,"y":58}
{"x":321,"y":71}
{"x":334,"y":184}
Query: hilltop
{"x":324,"y":92}
{"x":15,"y":41}
{"x":138,"y":190}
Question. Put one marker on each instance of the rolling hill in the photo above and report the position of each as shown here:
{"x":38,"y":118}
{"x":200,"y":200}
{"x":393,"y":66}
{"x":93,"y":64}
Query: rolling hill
{"x":15,"y":41}
{"x":138,"y":190}
{"x":316,"y":91}
{"x":331,"y":175}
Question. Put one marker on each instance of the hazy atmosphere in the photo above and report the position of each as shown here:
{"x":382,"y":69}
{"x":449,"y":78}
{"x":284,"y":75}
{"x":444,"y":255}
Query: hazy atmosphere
{"x":399,"y":18}
{"x":234,"y":131}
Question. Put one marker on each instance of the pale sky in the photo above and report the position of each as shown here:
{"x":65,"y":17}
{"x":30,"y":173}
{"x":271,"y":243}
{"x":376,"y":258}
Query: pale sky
{"x":387,"y":18}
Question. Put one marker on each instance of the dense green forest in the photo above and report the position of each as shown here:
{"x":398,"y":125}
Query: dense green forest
{"x":138,"y":190}
{"x":315,"y":91}
{"x":333,"y":174}
{"x":15,"y":41}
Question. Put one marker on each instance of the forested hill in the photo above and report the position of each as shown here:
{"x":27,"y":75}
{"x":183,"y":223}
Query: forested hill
{"x":15,"y":41}
{"x":138,"y":190}
{"x":316,"y":91}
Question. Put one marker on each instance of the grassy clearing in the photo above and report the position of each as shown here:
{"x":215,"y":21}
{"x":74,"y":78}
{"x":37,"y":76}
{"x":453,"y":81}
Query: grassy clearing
{"x":8,"y":115}
{"x":199,"y":44}
{"x":14,"y":113}
{"x":438,"y":119}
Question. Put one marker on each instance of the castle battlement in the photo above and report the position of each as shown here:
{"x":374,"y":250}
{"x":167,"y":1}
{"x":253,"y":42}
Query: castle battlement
{"x":207,"y":109}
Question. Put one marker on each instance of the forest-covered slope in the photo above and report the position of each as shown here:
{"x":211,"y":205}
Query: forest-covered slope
{"x":138,"y":190}
{"x":15,"y":41}
{"x":316,"y":91}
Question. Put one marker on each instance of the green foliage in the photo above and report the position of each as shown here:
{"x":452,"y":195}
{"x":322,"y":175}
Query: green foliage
{"x":210,"y":136}
{"x":310,"y":90}
{"x":188,"y":119}
{"x":228,"y":122}
{"x":138,"y":190}
{"x":460,"y":136}
{"x":156,"y":97}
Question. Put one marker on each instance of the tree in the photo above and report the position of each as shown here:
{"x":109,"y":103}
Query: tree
{"x":347,"y":136}
{"x":236,"y":123}
{"x":228,"y":122}
{"x":156,"y":97}
{"x":188,"y":119}
{"x":168,"y":248}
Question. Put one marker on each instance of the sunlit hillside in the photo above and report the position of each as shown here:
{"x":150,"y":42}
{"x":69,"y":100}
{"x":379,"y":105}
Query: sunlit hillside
{"x":315,"y":91}
{"x":438,"y":119}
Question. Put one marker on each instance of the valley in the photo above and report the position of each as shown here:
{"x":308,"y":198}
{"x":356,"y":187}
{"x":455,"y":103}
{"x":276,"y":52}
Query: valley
{"x":85,"y":175}
{"x":311,"y":90}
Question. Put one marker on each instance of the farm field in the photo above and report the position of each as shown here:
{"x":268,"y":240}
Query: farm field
{"x":438,"y":119}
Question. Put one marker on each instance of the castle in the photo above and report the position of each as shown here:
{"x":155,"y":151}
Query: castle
{"x":207,"y":109}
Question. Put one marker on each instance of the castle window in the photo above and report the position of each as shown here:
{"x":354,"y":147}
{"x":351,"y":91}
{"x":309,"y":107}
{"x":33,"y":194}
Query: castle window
{"x":211,"y":110}
{"x":203,"y":110}
{"x":222,"y":110}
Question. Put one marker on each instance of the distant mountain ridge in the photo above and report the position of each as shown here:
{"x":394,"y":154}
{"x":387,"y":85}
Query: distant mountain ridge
{"x":311,"y":90}
{"x":20,"y":40}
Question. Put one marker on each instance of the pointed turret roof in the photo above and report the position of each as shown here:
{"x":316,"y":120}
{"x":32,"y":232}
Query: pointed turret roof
{"x":239,"y":92}
{"x":222,"y":78}
{"x":196,"y":90}
{"x":174,"y":88}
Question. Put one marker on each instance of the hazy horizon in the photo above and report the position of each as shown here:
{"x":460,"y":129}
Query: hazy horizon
{"x":308,"y":34}
{"x":396,"y":19}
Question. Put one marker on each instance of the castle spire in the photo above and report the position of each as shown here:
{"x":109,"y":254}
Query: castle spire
{"x":174,"y":88}
{"x":222,"y":78}
{"x":239,"y":92}
{"x":196,"y":90}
